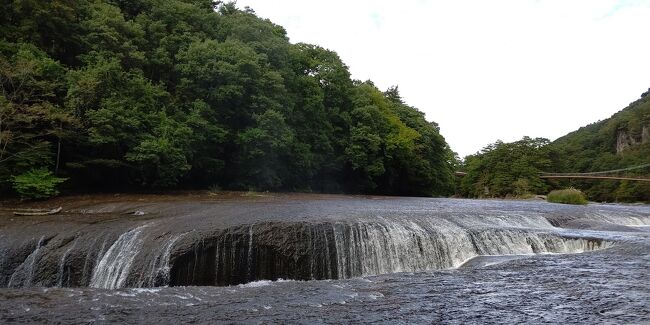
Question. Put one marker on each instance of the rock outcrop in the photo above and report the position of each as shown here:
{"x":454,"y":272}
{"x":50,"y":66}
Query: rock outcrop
{"x":625,"y":140}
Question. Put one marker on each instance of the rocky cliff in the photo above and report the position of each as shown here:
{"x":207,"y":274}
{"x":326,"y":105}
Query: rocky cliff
{"x":626,"y":140}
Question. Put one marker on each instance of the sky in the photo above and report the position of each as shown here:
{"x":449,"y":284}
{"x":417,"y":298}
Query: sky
{"x":486,"y":70}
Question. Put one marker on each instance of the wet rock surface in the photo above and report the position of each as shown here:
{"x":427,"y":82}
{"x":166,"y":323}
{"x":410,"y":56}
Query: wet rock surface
{"x":609,"y":286}
{"x":396,"y":260}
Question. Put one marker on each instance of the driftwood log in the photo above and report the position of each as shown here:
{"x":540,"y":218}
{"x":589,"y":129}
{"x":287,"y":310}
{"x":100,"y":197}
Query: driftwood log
{"x":36,"y":212}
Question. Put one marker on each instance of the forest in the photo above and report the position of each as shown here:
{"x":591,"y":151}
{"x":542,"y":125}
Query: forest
{"x":194,"y":94}
{"x":157,"y":95}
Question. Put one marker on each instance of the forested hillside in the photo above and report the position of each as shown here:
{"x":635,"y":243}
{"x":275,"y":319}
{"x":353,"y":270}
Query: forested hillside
{"x":159,"y":94}
{"x":619,"y":142}
{"x":512,"y":169}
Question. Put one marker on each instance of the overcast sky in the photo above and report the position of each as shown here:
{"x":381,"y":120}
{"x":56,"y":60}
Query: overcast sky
{"x":486,"y":70}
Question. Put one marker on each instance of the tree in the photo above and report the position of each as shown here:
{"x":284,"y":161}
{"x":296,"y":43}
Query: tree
{"x":502,"y":169}
{"x":266,"y":152}
{"x":36,"y":184}
{"x":31,"y":117}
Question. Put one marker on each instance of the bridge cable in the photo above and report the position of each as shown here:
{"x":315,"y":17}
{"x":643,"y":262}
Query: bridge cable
{"x":602,"y":172}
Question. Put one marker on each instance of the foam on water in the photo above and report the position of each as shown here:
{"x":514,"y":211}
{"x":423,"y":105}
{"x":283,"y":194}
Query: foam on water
{"x":256,"y":284}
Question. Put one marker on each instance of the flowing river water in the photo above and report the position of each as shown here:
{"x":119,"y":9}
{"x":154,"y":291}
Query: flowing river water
{"x":326,"y":259}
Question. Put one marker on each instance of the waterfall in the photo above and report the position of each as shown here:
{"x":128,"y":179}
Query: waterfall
{"x":159,"y":265}
{"x":388,"y":246}
{"x":250,"y":253}
{"x":27,"y":267}
{"x":328,"y":262}
{"x":62,"y":264}
{"x":378,"y":248}
{"x":340,"y":250}
{"x":309,"y":248}
{"x":88,"y":261}
{"x":113,"y":269}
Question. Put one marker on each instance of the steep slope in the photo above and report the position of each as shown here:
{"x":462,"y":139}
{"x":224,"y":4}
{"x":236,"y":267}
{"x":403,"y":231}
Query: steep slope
{"x":620,"y":141}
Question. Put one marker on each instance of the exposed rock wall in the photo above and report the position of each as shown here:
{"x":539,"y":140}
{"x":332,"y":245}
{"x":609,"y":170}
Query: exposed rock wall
{"x":625,"y":140}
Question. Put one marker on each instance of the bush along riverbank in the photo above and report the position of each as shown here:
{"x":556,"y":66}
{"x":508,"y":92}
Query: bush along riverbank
{"x":567,"y":196}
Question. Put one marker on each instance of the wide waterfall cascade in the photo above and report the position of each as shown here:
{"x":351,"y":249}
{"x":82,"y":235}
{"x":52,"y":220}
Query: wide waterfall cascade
{"x":176,"y":252}
{"x":346,"y":250}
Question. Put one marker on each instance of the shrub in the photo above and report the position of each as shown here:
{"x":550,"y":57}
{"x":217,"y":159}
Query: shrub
{"x":567,"y":196}
{"x":215,"y":189}
{"x":37,"y":184}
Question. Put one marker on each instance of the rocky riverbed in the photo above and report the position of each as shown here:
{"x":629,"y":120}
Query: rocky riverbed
{"x":341,"y":258}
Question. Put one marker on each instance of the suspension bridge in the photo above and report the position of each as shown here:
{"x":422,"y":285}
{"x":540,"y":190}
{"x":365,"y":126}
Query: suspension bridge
{"x":616,"y":174}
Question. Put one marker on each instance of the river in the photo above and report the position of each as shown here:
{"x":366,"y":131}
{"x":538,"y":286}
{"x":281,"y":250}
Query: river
{"x":325,"y":259}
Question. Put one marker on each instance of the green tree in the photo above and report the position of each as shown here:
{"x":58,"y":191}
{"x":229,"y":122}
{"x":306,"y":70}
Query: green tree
{"x":36,"y":184}
{"x":32,"y":121}
{"x":161,"y":157}
{"x":502,"y":169}
{"x":266,"y":152}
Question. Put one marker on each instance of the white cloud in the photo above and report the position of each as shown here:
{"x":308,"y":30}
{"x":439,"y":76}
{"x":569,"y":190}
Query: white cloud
{"x":486,"y":70}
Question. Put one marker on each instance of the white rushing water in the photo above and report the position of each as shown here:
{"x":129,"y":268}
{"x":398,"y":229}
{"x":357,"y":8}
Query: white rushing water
{"x":341,"y":250}
{"x":250,"y":253}
{"x":338,"y":248}
{"x":26,"y":268}
{"x":159,"y":264}
{"x":62,"y":263}
{"x":113,"y":269}
{"x":389,"y":246}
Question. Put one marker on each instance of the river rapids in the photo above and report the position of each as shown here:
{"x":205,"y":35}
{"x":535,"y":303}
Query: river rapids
{"x":326,"y":259}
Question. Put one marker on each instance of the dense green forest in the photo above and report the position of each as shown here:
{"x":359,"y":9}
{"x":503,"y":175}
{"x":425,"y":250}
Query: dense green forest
{"x":512,"y":169}
{"x":159,"y":94}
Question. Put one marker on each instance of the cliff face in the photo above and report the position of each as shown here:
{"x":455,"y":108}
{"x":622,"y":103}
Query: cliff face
{"x":626,"y":140}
